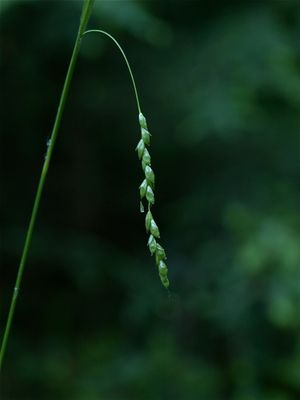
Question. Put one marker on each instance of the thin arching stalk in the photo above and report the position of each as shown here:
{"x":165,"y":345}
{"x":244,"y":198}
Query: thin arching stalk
{"x":85,"y":14}
{"x":126,"y":60}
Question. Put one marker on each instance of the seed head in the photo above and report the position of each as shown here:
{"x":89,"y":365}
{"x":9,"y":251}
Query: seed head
{"x":146,"y":190}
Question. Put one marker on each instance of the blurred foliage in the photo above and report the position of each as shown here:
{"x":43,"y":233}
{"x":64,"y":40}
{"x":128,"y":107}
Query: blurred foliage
{"x":220,"y":87}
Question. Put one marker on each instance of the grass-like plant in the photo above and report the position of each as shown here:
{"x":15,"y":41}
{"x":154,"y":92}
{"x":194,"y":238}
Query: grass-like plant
{"x":146,"y":187}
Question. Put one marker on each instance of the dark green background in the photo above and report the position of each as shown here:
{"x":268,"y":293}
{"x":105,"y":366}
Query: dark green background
{"x":220,"y":86}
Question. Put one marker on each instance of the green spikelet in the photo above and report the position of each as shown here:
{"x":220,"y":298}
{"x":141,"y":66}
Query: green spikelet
{"x":143,"y":188}
{"x":152,"y":244}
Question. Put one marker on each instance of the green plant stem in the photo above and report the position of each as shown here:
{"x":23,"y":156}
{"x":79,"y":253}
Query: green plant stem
{"x":86,"y":11}
{"x":125,"y":58}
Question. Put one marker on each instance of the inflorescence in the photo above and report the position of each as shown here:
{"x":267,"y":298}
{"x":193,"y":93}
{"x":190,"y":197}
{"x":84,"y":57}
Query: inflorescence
{"x":147,"y":191}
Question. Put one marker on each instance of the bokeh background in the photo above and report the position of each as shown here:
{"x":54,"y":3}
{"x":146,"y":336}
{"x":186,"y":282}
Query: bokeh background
{"x":219,"y":83}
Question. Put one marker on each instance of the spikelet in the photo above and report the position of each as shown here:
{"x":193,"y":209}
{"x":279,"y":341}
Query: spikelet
{"x":147,"y":191}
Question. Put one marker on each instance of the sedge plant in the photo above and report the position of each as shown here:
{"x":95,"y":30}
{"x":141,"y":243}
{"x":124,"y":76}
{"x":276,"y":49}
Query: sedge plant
{"x":146,"y":188}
